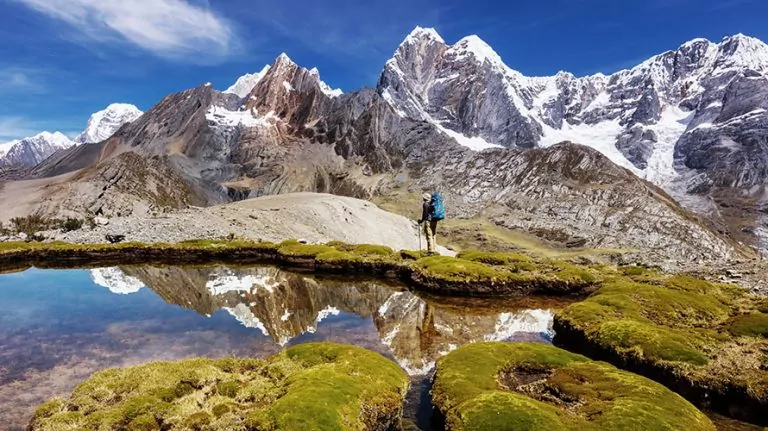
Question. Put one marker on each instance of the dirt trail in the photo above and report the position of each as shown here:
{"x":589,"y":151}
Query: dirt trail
{"x":313,"y":217}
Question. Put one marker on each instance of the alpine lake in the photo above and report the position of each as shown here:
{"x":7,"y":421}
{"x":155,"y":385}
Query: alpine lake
{"x":59,"y":326}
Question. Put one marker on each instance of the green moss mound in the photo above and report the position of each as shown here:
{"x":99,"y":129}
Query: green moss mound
{"x":705,"y":340}
{"x":752,"y":325}
{"x":294,"y":249}
{"x":363,"y":253}
{"x":508,"y":273}
{"x":493,"y":258}
{"x":318,"y":386}
{"x":531,"y":386}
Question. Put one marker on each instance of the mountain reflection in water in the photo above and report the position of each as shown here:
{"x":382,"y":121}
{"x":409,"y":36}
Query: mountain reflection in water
{"x":58,"y":327}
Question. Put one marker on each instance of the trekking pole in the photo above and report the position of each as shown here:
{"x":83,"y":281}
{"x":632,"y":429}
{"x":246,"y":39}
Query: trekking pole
{"x":418,"y":229}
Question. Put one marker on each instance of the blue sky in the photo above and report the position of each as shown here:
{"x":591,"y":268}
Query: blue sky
{"x":61,"y":60}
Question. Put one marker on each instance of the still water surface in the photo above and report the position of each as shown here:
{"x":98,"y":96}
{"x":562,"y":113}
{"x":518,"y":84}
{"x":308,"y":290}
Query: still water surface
{"x":59,"y":326}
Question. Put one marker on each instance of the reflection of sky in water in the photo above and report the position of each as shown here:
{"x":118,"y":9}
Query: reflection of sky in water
{"x":58,"y":327}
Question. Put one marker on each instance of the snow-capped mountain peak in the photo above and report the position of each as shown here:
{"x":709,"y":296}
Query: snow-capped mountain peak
{"x":420,"y":33}
{"x":4,"y":148}
{"x":56,"y":138}
{"x":103,"y":124}
{"x":33,"y":150}
{"x":743,"y":51}
{"x":473,"y":45}
{"x":245,"y":84}
{"x":116,"y":281}
{"x":325,"y":88}
{"x":283,"y":59}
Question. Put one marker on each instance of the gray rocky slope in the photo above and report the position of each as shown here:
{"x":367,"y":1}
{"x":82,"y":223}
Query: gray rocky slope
{"x":692,"y":121}
{"x":203,"y":147}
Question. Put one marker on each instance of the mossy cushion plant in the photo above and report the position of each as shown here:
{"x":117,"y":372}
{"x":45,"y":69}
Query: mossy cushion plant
{"x":362,"y":253}
{"x":533,"y":386}
{"x":706,"y":340}
{"x":506,"y":273}
{"x":315,"y":386}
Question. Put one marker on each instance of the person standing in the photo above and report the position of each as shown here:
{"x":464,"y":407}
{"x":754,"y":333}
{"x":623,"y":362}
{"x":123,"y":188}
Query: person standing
{"x":432,"y":211}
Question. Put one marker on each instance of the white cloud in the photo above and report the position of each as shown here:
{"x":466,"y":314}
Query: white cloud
{"x":20,"y":80}
{"x":168,"y":28}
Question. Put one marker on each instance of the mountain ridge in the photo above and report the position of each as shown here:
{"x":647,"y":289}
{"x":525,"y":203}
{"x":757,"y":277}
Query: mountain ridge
{"x":33,"y":150}
{"x":205,"y":147}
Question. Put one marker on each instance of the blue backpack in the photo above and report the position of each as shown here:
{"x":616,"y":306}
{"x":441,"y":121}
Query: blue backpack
{"x":438,"y":209}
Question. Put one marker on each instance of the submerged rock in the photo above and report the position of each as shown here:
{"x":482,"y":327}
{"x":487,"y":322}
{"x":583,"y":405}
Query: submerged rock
{"x":706,"y":341}
{"x":321,"y":386}
{"x":529,"y":386}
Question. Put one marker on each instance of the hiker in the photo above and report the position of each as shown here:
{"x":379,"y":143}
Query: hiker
{"x":432,"y":212}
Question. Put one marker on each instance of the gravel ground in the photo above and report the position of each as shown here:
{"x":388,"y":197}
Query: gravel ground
{"x":313,"y":217}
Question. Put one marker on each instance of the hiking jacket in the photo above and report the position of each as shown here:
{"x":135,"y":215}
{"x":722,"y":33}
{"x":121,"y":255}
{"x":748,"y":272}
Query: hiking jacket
{"x":426,"y":211}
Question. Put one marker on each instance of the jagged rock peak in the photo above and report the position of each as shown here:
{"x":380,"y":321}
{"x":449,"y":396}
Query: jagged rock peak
{"x":473,"y":45}
{"x":420,"y":33}
{"x":283,"y":59}
{"x":245,"y":84}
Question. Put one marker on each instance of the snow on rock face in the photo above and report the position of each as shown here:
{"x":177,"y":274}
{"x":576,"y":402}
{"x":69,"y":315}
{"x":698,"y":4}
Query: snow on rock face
{"x":103,"y":124}
{"x":245,"y":84}
{"x":116,"y":281}
{"x":247,"y":318}
{"x":4,"y":148}
{"x":636,"y":117}
{"x":33,"y":150}
{"x":227,"y":281}
{"x":528,"y":321}
{"x":325,"y":88}
{"x":246,"y":118}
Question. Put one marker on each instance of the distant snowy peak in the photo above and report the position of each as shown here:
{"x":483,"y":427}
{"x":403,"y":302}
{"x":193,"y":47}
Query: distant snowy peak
{"x":103,"y":124}
{"x":420,"y":33}
{"x":116,"y":281}
{"x":33,"y":150}
{"x":246,"y":83}
{"x":4,"y":148}
{"x":325,"y":88}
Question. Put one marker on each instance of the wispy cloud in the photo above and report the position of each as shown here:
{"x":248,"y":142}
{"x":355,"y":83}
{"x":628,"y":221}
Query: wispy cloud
{"x":19,"y":80}
{"x":173,"y":29}
{"x":349,"y":30}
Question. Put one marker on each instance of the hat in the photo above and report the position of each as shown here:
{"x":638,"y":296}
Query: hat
{"x":426,"y":196}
